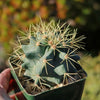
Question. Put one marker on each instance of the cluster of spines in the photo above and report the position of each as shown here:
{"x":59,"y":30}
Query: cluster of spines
{"x":54,"y":36}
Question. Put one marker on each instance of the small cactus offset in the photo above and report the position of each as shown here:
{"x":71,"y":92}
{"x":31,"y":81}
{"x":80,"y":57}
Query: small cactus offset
{"x":47,"y":55}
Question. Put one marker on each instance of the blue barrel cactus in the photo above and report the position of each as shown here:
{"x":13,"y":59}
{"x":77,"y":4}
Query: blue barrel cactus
{"x":47,"y":54}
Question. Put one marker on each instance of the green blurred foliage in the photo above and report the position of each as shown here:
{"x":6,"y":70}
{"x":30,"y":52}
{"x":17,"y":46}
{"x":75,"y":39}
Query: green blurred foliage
{"x":92,"y":86}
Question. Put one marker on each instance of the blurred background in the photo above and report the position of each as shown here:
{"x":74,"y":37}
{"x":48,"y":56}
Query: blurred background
{"x":81,"y":14}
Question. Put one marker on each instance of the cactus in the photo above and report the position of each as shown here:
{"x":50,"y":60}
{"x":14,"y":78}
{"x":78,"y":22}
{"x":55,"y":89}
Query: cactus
{"x":47,"y":54}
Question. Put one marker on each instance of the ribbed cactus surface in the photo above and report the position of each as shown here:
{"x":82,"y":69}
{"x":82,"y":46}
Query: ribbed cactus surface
{"x":47,"y":54}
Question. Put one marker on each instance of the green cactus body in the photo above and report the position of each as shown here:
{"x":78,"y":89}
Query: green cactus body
{"x":49,"y":59}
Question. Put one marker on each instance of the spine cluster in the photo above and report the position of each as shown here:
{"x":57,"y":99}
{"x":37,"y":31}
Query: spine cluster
{"x":47,"y":54}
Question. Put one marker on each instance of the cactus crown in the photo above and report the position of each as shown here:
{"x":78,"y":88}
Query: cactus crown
{"x":49,"y":58}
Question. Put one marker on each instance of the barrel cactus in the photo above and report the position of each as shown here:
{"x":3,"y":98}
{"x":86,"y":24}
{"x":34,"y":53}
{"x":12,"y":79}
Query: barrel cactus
{"x":47,"y":55}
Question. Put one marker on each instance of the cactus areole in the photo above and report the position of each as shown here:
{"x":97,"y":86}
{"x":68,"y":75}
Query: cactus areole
{"x":46,"y":60}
